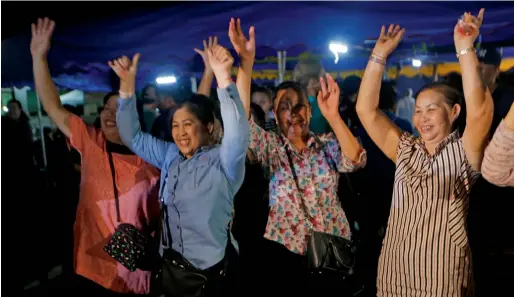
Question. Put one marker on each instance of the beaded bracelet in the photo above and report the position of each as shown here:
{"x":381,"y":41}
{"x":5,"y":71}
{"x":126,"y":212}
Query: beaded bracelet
{"x":377,"y":60}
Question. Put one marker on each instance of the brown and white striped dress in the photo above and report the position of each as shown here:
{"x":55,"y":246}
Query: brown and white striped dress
{"x":425,"y":251}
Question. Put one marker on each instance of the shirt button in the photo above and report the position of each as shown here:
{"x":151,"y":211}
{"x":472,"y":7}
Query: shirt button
{"x":178,"y":227}
{"x":174,"y":176}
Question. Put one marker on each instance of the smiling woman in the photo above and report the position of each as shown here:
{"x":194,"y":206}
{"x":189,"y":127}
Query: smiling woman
{"x":198,"y":179}
{"x":116,"y":186}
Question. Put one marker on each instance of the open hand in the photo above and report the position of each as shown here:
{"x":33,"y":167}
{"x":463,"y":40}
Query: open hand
{"x":41,"y":35}
{"x":206,"y":46}
{"x":245,"y":48}
{"x":126,"y":70}
{"x":387,"y":42}
{"x":221,"y":61}
{"x":467,"y":30}
{"x":328,"y":98}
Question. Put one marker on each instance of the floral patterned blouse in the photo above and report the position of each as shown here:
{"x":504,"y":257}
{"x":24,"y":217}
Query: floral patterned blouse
{"x":317,"y":167}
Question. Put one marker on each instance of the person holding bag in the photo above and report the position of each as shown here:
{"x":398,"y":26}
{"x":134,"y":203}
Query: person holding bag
{"x":198,"y":179}
{"x":426,"y":248}
{"x":116,"y":186}
{"x":307,"y":231}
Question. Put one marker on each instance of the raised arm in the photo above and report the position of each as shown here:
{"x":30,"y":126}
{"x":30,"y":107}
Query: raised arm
{"x":149,"y":148}
{"x":245,"y":48}
{"x":45,"y":87}
{"x":479,"y":103}
{"x":498,"y":164}
{"x":208,"y":76}
{"x":236,"y":137}
{"x":384,"y":133}
{"x":328,"y":102}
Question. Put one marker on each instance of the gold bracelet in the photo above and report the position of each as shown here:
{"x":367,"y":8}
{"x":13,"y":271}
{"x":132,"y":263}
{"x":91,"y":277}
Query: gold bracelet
{"x":465,"y":51}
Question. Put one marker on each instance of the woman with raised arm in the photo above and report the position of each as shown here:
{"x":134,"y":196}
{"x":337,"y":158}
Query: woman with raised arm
{"x":317,"y":161}
{"x":425,"y":250}
{"x":498,"y":164}
{"x":97,"y":213}
{"x":198,"y":179}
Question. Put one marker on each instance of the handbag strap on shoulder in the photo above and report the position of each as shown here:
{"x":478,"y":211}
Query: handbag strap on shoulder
{"x":113,"y":173}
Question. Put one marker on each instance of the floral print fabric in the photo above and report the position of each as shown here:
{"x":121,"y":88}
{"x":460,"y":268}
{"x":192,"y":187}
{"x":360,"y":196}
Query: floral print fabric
{"x":317,"y":167}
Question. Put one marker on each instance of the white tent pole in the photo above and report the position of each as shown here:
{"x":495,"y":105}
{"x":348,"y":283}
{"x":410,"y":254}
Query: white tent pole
{"x":194,"y":84}
{"x":41,"y":133}
{"x":284,"y":59}
{"x":279,"y":64}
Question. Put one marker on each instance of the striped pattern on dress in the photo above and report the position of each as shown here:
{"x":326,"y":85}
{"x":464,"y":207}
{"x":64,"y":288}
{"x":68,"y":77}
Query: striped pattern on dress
{"x":425,"y":251}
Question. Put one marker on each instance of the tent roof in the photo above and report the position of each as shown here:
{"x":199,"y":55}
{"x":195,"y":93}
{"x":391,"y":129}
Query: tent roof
{"x":166,"y":37}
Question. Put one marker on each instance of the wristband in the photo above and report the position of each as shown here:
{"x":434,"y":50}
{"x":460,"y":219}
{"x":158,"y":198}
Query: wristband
{"x":125,"y":95}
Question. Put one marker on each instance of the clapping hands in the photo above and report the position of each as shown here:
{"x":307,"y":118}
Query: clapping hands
{"x":213,"y":41}
{"x":221,"y":62}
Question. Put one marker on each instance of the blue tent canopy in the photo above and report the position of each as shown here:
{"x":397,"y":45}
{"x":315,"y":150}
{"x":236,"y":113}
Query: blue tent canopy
{"x":166,"y":37}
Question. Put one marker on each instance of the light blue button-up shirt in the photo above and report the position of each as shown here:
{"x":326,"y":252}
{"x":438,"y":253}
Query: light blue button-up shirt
{"x":198,"y":192}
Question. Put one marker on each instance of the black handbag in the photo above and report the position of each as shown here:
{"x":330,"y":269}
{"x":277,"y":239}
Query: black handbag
{"x":129,"y":246}
{"x":177,"y":277}
{"x":326,"y":253}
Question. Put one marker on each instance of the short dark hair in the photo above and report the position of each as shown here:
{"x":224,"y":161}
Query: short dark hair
{"x":199,"y":105}
{"x":260,"y":117}
{"x":451,"y":95}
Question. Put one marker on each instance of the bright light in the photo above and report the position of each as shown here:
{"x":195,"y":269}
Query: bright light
{"x":337,"y":48}
{"x":163,"y":80}
{"x":416,"y":63}
{"x":4,"y":108}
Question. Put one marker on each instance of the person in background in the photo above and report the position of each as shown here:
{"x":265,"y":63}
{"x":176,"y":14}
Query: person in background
{"x":161,"y":126}
{"x":498,"y":164}
{"x":264,"y":98}
{"x":147,"y":105}
{"x":349,"y":89}
{"x":426,"y":246}
{"x":328,"y":154}
{"x":503,"y":95}
{"x":374,"y":203}
{"x":136,"y":182}
{"x":307,"y":73}
{"x":251,"y":212}
{"x":198,"y":179}
{"x":490,"y":220}
{"x":405,"y":107}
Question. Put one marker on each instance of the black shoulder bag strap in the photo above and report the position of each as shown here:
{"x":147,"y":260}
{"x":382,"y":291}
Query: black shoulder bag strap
{"x":113,"y":173}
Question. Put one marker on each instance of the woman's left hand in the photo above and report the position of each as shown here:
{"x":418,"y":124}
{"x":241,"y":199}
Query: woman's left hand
{"x":467,"y":30}
{"x":328,"y":98}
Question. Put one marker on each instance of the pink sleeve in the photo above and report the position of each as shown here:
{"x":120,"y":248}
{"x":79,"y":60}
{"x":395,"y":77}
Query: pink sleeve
{"x":498,"y":163}
{"x":81,"y":134}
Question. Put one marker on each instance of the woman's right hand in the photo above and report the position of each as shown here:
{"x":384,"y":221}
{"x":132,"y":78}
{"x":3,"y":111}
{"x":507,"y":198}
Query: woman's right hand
{"x":387,"y":42}
{"x":221,"y":63}
{"x":41,"y":34}
{"x":126,"y":70}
